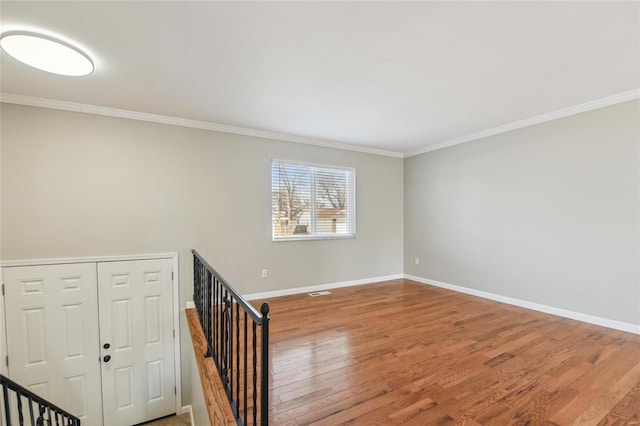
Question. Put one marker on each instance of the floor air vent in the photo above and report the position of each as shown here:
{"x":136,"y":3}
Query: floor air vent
{"x":319,"y":293}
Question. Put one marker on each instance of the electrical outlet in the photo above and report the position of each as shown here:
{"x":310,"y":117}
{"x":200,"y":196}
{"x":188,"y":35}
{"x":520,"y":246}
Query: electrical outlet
{"x":417,"y":261}
{"x":265,"y":273}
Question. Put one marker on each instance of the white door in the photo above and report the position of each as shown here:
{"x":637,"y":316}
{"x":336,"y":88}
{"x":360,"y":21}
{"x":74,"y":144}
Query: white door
{"x":136,"y":330}
{"x":52,"y":335}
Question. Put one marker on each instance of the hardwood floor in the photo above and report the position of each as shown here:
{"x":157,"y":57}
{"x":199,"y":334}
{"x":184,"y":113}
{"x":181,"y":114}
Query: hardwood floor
{"x":400,"y":352}
{"x":177,"y":420}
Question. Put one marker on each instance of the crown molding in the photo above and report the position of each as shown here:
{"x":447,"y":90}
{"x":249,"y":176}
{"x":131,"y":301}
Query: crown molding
{"x":11,"y":98}
{"x":565,"y":112}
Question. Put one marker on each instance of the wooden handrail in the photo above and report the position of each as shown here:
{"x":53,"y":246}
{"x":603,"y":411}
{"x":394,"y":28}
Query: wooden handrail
{"x":215,"y":398}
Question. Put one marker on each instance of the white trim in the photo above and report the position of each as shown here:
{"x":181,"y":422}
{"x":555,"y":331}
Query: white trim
{"x":11,"y":98}
{"x":312,"y":169}
{"x":310,"y":289}
{"x":190,"y":305}
{"x":175,"y":270}
{"x":312,"y":237}
{"x":187,"y":409}
{"x":591,"y":319}
{"x":565,"y":112}
{"x":310,"y":164}
{"x":93,"y":259}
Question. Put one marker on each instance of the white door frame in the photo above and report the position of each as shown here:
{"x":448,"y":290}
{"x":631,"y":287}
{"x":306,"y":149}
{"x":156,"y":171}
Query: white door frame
{"x":97,"y":259}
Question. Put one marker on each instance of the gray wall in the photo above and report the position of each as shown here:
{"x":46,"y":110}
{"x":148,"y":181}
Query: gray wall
{"x":77,"y":185}
{"x":547,"y":214}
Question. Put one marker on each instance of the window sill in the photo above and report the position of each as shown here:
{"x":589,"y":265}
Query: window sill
{"x":314,"y":238}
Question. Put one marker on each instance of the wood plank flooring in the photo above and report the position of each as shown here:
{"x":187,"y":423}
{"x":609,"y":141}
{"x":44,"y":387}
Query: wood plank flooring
{"x":400,"y":352}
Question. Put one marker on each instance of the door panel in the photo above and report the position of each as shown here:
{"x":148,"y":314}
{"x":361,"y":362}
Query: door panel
{"x":136,"y":320}
{"x":52,"y":335}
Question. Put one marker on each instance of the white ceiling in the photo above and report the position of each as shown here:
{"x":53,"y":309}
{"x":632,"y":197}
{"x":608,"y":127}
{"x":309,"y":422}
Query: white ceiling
{"x":395,"y":76}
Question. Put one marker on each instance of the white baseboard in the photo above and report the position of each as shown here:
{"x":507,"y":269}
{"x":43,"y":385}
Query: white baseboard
{"x":187,"y":409}
{"x":591,"y":319}
{"x":310,"y":289}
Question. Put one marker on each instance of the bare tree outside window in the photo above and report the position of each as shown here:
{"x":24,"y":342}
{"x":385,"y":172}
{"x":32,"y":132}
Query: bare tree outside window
{"x":291,"y":203}
{"x":332,"y":188}
{"x":291,"y":197}
{"x":312,"y":202}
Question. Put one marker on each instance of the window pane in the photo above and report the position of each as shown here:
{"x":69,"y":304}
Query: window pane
{"x":291,"y":192}
{"x":311,"y":201}
{"x":332,"y":201}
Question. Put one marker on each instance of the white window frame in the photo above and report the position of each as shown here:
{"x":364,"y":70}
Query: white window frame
{"x":351,"y":211}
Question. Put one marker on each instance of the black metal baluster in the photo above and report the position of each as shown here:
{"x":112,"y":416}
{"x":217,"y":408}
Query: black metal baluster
{"x":5,"y":393}
{"x":230,"y":365}
{"x":211,"y":302}
{"x":40,"y":420}
{"x":203,"y":292}
{"x":196,"y":287}
{"x":223,"y":335}
{"x":203,"y":306}
{"x":195,"y":280}
{"x":218,"y":331}
{"x":237,"y":361}
{"x":264,"y":373}
{"x":220,"y":327}
{"x":20,"y":415}
{"x":227,"y":354}
{"x":216,"y":325}
{"x":207,"y":309}
{"x":213,"y":320}
{"x":200,"y":302}
{"x":199,"y":296}
{"x":246,"y":348}
{"x":31,"y":416}
{"x":255,"y":377}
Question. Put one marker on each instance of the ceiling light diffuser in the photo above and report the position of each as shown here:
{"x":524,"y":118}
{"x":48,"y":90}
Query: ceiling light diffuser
{"x":46,"y":53}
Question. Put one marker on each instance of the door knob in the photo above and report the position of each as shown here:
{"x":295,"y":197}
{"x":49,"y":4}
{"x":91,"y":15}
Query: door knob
{"x":106,"y":358}
{"x":106,"y":346}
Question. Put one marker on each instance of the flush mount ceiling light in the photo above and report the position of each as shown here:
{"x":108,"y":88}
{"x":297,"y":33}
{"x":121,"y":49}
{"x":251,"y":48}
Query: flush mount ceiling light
{"x":46,"y":53}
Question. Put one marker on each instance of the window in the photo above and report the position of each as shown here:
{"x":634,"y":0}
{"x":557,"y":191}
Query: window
{"x":312,"y":202}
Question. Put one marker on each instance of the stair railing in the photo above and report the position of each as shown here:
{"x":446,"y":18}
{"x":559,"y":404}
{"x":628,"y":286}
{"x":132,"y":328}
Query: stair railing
{"x":21,"y":402}
{"x":231,"y":327}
